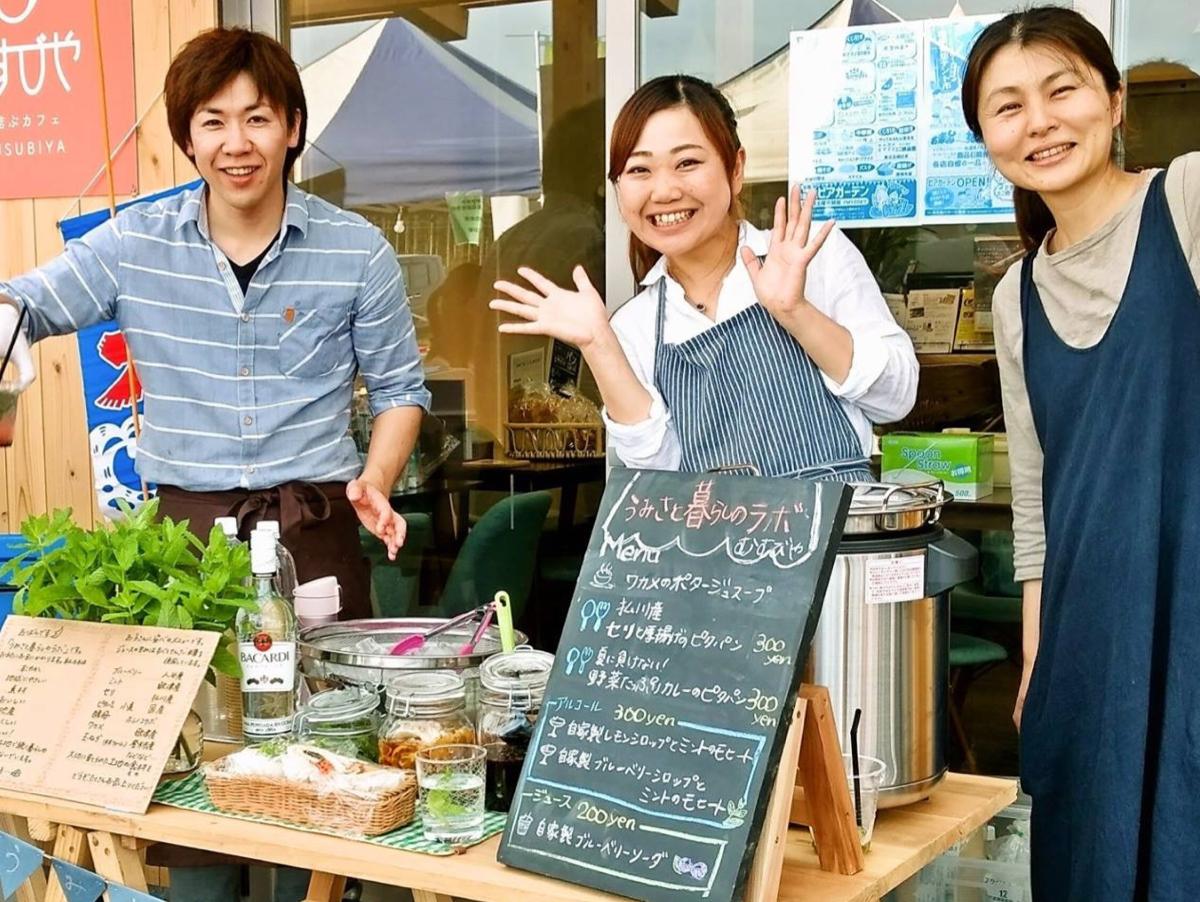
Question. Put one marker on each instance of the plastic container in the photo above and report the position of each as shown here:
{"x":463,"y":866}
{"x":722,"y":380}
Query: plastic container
{"x":510,"y":697}
{"x":423,"y":710}
{"x":971,"y":873}
{"x":345,"y":721}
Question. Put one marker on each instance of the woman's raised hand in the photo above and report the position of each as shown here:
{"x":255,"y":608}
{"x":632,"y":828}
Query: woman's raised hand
{"x":779,"y":283}
{"x":576,"y":317}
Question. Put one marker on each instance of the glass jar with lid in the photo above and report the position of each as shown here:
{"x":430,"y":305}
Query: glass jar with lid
{"x":424,"y":709}
{"x":511,"y":689}
{"x":341,"y":720}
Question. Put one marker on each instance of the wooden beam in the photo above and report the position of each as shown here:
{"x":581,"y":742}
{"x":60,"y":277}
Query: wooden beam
{"x":326,"y":12}
{"x":442,"y":23}
{"x":657,"y":9}
{"x":576,"y":72}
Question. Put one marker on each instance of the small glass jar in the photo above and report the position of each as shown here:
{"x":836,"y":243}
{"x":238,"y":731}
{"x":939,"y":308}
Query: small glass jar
{"x":511,"y":689}
{"x":345,"y":721}
{"x":424,"y":709}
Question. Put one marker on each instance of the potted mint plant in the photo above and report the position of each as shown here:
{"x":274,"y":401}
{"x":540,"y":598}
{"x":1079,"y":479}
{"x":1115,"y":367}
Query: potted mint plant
{"x":138,"y":571}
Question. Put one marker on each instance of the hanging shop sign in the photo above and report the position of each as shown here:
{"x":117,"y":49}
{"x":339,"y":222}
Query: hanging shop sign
{"x":51,"y":134}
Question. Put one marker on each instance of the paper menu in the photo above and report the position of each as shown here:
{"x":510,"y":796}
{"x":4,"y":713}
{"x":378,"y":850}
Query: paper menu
{"x":90,"y":712}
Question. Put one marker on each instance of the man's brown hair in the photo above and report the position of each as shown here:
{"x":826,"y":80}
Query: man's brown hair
{"x":214,"y":58}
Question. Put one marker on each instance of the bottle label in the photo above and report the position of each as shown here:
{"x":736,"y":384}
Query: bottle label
{"x":266,"y":727}
{"x":268,"y":665}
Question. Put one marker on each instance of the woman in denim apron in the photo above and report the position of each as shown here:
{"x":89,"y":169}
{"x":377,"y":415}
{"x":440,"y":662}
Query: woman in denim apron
{"x":1098,"y":340}
{"x":761,"y":351}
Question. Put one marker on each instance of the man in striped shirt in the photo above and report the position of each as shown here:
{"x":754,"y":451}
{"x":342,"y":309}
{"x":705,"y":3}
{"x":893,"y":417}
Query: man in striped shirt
{"x":248,"y":307}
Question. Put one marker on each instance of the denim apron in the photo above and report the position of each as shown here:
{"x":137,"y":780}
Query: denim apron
{"x":1110,"y":733}
{"x":745,"y":397}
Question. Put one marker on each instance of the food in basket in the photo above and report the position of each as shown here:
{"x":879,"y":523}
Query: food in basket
{"x":544,"y":424}
{"x":400,"y":746}
{"x":307,"y":785}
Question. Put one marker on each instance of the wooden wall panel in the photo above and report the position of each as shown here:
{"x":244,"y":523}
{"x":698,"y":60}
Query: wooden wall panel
{"x":188,"y":19}
{"x":49,"y":464}
{"x":152,"y":58}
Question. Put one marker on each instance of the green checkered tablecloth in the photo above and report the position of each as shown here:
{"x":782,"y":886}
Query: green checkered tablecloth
{"x":192,"y":793}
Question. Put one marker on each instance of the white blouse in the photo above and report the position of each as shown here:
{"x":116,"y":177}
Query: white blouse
{"x":880,"y":387}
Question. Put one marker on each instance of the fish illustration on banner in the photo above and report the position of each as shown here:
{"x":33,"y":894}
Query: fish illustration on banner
{"x":108,"y":400}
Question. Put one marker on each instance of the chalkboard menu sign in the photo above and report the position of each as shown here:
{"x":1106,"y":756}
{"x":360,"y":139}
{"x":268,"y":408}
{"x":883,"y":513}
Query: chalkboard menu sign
{"x":659,"y":739}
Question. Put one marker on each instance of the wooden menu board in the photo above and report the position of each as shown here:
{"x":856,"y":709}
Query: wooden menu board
{"x":89,"y":711}
{"x":664,"y":719}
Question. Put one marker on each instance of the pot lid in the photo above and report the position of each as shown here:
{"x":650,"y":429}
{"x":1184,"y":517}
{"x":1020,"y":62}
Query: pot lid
{"x":872,"y":498}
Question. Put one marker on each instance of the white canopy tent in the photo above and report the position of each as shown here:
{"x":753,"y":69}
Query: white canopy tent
{"x":759,"y":95}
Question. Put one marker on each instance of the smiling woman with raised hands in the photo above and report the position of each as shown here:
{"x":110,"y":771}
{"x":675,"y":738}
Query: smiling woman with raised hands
{"x":1097,"y":334}
{"x":762,"y":351}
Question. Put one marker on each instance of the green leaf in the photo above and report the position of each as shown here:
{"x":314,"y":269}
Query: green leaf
{"x":148,"y":588}
{"x":226,"y":662}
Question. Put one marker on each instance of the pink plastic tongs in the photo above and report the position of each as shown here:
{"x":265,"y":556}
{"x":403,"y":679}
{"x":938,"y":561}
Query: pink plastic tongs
{"x":469,"y":648}
{"x":412,"y":643}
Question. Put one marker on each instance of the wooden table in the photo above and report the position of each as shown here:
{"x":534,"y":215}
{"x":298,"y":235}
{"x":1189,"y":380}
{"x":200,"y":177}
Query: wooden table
{"x":905,"y":840}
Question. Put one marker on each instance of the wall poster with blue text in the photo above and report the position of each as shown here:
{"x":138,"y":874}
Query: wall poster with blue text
{"x":876,"y":125}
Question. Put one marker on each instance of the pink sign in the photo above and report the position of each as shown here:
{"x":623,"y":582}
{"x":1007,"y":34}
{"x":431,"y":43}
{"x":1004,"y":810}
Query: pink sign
{"x":51,"y":138}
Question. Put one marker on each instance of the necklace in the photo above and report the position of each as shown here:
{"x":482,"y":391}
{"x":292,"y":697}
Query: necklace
{"x":731,"y":257}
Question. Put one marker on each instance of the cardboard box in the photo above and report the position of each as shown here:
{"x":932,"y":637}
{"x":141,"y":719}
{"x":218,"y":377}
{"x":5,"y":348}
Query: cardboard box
{"x":932,"y":317}
{"x":1001,"y":475}
{"x":962,"y":461}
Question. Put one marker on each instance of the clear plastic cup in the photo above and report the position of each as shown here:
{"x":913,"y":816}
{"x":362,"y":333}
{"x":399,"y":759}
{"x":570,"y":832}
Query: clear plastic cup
{"x":306,"y":620}
{"x":450,"y":782}
{"x":871,"y":772}
{"x":318,"y":601}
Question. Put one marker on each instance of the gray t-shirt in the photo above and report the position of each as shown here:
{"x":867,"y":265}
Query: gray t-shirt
{"x":1080,"y":288}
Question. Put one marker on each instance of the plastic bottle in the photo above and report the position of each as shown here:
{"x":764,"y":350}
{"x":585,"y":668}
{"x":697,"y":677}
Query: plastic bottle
{"x":286,"y":580}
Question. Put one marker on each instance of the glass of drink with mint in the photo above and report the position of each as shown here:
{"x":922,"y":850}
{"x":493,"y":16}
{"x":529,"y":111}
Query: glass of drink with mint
{"x":450,"y":780}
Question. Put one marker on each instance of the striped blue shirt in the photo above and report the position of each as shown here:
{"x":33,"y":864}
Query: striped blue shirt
{"x":240,"y":392}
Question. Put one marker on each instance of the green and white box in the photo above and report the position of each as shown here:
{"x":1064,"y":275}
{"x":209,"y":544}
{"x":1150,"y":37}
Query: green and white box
{"x":963,"y":461}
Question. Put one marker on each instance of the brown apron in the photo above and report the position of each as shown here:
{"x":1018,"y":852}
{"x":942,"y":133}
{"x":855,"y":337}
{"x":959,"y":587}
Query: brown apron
{"x":316,"y":524}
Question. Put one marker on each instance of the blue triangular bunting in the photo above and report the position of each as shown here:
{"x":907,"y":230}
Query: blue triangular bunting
{"x":77,"y":884}
{"x":18,"y":859}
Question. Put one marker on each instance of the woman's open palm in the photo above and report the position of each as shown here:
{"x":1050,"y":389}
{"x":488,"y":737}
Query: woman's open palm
{"x":780,"y":281}
{"x":575,"y":317}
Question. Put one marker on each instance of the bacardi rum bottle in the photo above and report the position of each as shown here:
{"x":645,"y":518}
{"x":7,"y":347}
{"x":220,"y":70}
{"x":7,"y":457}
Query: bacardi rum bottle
{"x":267,"y":649}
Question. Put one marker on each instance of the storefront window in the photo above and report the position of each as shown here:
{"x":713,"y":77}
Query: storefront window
{"x":1160,"y":46}
{"x":473,"y":138}
{"x":743,"y":47}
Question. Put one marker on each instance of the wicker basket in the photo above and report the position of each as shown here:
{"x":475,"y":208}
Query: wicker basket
{"x":555,"y":441}
{"x":304,"y":804}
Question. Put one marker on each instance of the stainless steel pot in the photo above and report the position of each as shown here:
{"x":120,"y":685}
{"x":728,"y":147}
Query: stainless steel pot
{"x":882,"y":643}
{"x":355,"y":652}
